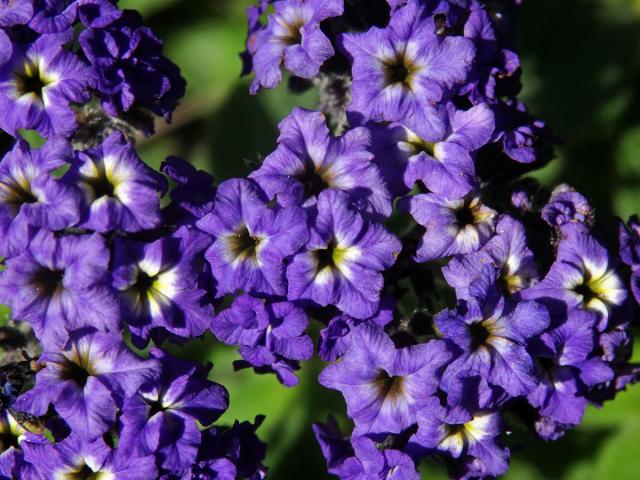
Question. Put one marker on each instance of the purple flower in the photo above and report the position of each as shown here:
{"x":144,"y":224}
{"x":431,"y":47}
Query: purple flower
{"x":193,"y":193}
{"x":470,"y":438}
{"x":343,"y":260}
{"x":335,"y":339}
{"x":38,"y":84}
{"x":493,"y":335}
{"x":227,"y":454}
{"x":251,"y":239}
{"x":494,"y":65}
{"x":371,"y":462}
{"x":507,"y":251}
{"x":293,"y":36}
{"x":630,"y":242}
{"x":121,"y":192}
{"x":75,"y":457}
{"x":131,"y":70}
{"x":566,"y":369}
{"x":266,"y":333}
{"x":59,"y":284}
{"x":399,"y":72}
{"x":14,"y":12}
{"x":159,"y":284}
{"x":444,"y":163}
{"x":525,"y":139}
{"x":582,"y":276}
{"x":452,"y":226}
{"x":309,"y":160}
{"x":385,"y":387}
{"x":31,"y":197}
{"x":161,"y":419}
{"x":85,"y":380}
{"x":566,"y":205}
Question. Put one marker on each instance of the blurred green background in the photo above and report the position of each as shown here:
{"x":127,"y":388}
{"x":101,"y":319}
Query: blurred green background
{"x":581,"y":62}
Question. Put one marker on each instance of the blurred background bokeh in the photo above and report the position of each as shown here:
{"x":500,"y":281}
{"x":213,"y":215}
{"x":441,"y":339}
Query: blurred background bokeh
{"x":581,"y":62}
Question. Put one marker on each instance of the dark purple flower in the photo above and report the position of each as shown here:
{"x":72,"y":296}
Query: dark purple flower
{"x":493,"y":335}
{"x":61,"y":283}
{"x":75,"y":457}
{"x":494,"y":64}
{"x":85,"y":380}
{"x":565,"y":206}
{"x":384,"y":387}
{"x":399,"y":72}
{"x":30,"y":195}
{"x":630,"y":242}
{"x":444,"y":163}
{"x":251,"y":239}
{"x":266,"y":334}
{"x":309,"y":160}
{"x":566,"y":369}
{"x":452,"y":226}
{"x":293,"y":36}
{"x":161,"y":419}
{"x":343,"y":260}
{"x":121,"y":192}
{"x":38,"y":84}
{"x":525,"y":138}
{"x":193,"y":193}
{"x":582,"y":276}
{"x":507,"y":251}
{"x":227,"y":454}
{"x":131,"y":71}
{"x":159,"y":284}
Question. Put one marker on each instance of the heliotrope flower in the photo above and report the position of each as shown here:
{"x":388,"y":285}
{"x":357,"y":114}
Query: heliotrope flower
{"x":444,"y":163}
{"x":85,"y":380}
{"x":230,"y":453}
{"x":269,"y":335}
{"x":458,"y":226}
{"x":293,"y":36}
{"x":469,"y":438}
{"x":61,"y":283}
{"x":630,"y":252}
{"x":507,"y":251}
{"x":360,"y":458}
{"x":582,"y":276}
{"x":161,"y":419}
{"x":38,"y":84}
{"x":567,"y":367}
{"x":132,"y":73}
{"x":30,"y":195}
{"x":77,"y":458}
{"x":335,"y":339}
{"x":400,"y":71}
{"x":309,"y":160}
{"x":343,"y":259}
{"x":566,"y":205}
{"x":251,"y":239}
{"x":494,"y":65}
{"x":14,"y":12}
{"x":384,"y":387}
{"x":493,"y":335}
{"x":525,"y":138}
{"x":159,"y":287}
{"x":121,"y":192}
{"x":193,"y":193}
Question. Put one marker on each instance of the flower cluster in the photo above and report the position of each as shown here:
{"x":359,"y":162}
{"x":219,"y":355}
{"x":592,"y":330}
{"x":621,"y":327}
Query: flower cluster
{"x":106,"y":279}
{"x":502,"y":301}
{"x":455,"y":298}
